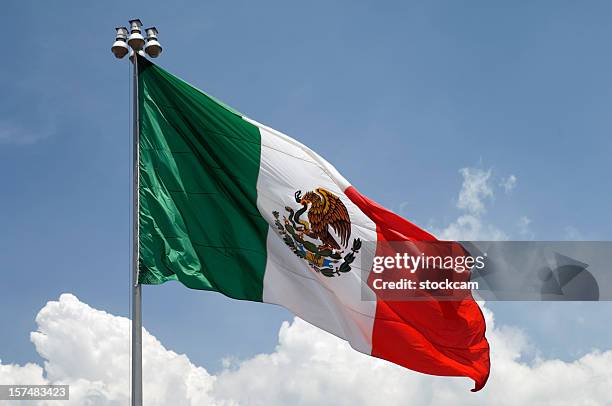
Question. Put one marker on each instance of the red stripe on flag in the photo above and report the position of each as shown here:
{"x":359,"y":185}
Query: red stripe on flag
{"x":431,"y":336}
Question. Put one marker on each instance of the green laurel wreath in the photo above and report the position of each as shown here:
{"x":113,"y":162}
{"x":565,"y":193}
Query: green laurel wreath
{"x":345,"y":266}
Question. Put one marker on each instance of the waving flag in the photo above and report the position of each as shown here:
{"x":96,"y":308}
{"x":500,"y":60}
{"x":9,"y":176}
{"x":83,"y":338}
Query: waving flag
{"x":230,"y":205}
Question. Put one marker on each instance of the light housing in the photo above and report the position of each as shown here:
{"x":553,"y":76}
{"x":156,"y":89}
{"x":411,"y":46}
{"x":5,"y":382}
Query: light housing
{"x":120,"y":48}
{"x":153,"y":47}
{"x":135,"y":40}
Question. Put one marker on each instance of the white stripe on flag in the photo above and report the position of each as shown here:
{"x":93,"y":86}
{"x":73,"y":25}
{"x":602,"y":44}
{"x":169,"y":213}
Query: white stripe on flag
{"x":334,"y":304}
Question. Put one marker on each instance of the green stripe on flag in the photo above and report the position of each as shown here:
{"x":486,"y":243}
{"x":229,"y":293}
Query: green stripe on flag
{"x":199,"y":162}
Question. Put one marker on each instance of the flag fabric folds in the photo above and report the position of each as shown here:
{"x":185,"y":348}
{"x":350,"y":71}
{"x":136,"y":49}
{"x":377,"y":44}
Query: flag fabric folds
{"x":230,"y":205}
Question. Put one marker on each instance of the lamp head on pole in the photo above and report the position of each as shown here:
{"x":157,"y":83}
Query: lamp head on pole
{"x":120,"y":48}
{"x":131,"y":41}
{"x":135,"y":40}
{"x":153,"y":47}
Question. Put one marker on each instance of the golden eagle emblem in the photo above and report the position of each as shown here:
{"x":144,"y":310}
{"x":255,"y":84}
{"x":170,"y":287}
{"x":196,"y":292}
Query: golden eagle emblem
{"x":325,"y":210}
{"x":312,"y":239}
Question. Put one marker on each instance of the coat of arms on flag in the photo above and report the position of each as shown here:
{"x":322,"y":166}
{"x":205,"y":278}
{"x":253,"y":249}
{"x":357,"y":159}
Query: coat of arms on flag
{"x":311,"y":239}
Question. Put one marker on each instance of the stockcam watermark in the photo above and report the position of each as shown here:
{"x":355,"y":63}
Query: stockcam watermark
{"x":489,"y":270}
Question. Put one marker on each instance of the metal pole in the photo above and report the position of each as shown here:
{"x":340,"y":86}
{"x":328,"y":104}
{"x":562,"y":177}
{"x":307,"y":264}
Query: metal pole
{"x":136,"y":288}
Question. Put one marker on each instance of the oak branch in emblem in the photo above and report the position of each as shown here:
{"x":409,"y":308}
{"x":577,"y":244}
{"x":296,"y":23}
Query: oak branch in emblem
{"x":325,"y":210}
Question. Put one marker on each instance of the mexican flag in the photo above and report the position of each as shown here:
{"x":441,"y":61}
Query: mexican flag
{"x":230,"y":205}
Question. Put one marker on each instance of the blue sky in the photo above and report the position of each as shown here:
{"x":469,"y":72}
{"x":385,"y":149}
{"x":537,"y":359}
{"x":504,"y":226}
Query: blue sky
{"x":398,"y":96}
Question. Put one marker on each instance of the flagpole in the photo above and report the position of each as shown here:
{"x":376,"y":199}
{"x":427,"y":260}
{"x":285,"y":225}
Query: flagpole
{"x":121,"y":47}
{"x":136,"y":287}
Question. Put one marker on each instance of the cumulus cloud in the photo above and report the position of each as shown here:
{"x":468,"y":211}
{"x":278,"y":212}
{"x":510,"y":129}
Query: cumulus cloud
{"x":475,"y":190}
{"x":469,"y":227}
{"x":478,"y":189}
{"x":88,"y":349}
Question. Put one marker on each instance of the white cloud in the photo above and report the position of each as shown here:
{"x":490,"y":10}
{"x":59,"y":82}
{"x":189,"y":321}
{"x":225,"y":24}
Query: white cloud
{"x":475,"y":190}
{"x":88,"y":349}
{"x":469,"y":227}
{"x":508,"y":184}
